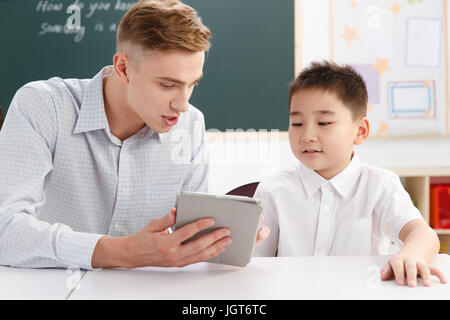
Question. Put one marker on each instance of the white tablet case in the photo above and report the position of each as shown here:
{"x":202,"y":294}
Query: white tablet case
{"x":239,"y":214}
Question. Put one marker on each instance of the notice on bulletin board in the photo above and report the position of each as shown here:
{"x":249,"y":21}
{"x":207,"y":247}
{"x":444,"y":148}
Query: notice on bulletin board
{"x":400,"y":49}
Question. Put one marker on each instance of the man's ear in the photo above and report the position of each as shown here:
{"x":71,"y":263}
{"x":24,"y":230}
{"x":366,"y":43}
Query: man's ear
{"x":121,"y":66}
{"x":363,"y":130}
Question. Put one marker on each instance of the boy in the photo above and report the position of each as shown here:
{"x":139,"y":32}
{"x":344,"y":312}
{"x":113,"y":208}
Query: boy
{"x":87,"y":169}
{"x":330,"y":203}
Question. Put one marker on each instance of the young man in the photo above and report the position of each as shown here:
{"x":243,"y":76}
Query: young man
{"x":90,"y":168}
{"x":330,"y":203}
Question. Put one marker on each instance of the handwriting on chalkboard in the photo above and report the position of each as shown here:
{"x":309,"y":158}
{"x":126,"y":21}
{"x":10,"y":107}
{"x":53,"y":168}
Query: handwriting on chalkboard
{"x":74,"y":17}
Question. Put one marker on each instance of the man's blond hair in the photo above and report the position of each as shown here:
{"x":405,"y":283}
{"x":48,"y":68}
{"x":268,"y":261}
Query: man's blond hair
{"x":162,"y":25}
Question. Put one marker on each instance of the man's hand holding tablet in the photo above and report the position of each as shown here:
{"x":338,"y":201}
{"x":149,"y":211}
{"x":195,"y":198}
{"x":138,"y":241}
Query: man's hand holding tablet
{"x":153,"y":245}
{"x":241,"y":215}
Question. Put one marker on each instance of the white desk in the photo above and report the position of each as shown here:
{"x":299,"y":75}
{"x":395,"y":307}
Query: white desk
{"x":37,"y":284}
{"x":263,"y":278}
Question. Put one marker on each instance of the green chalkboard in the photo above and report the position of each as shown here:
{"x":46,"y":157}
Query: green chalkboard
{"x":246,"y":73}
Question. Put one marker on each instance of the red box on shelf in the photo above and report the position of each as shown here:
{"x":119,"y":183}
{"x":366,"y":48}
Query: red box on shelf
{"x":440,"y":206}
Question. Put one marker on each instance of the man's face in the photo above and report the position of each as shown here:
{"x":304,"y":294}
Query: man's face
{"x":322,"y":131}
{"x":161,"y":84}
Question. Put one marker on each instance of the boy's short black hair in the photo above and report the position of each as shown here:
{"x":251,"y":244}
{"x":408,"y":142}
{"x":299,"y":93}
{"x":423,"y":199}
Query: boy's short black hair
{"x":343,"y":81}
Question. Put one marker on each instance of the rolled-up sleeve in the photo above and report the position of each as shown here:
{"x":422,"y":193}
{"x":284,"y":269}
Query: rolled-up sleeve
{"x":27,"y":141}
{"x":395,"y":208}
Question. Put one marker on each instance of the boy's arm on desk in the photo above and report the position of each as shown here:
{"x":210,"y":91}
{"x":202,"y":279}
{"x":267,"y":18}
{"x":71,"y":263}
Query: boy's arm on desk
{"x":421,"y":245}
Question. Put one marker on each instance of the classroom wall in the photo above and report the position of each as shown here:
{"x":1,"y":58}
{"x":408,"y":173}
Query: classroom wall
{"x":388,"y":153}
{"x":239,"y":167}
{"x":234,"y":164}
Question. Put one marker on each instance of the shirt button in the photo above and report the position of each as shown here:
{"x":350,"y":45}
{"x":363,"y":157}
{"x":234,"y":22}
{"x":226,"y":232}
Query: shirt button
{"x":326,"y":208}
{"x":116,"y":226}
{"x":124,"y":190}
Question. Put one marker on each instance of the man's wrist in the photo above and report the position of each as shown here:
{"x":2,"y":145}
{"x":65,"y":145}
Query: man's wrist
{"x":112,"y":253}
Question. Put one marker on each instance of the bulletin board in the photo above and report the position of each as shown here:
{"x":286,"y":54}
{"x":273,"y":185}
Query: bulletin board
{"x":400,"y":48}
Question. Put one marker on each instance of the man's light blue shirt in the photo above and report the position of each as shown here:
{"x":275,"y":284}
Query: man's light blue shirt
{"x":66,"y":180}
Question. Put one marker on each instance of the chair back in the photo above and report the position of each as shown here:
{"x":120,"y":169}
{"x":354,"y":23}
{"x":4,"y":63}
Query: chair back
{"x":1,"y":117}
{"x":247,"y":190}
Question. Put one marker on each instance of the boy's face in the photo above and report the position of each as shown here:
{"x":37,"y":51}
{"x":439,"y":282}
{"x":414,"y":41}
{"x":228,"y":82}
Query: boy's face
{"x":159,"y":89}
{"x":322,"y":131}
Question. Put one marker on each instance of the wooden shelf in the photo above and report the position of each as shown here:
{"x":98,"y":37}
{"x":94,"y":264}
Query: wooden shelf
{"x":442,"y":231}
{"x":418,"y":171}
{"x":417,"y":182}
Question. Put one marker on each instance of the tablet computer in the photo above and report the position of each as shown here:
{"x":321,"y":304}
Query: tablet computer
{"x":237,"y":213}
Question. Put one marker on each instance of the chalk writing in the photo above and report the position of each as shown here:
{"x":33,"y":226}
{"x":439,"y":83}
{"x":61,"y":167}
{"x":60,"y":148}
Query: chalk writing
{"x":47,"y":28}
{"x":48,"y":6}
{"x":75,"y":17}
{"x":97,"y":6}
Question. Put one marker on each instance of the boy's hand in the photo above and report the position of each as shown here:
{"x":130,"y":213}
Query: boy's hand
{"x":263,"y":232}
{"x":420,"y":246}
{"x":406,"y":266}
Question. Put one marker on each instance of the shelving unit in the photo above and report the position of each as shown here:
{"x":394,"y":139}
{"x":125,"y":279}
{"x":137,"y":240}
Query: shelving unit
{"x":417,"y":182}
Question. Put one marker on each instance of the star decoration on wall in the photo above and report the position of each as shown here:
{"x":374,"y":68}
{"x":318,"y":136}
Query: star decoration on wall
{"x":395,"y":9}
{"x":383,"y":130}
{"x":381,"y":65}
{"x":349,"y":34}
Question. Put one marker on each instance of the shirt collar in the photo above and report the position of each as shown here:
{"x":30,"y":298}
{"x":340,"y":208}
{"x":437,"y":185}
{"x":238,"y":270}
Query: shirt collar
{"x":343,"y":182}
{"x":92,"y":114}
{"x":311,"y":180}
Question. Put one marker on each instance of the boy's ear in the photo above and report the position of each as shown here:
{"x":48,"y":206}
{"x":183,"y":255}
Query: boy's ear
{"x":363,"y":130}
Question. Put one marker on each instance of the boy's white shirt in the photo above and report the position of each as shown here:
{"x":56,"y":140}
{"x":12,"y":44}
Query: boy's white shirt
{"x":358,"y":212}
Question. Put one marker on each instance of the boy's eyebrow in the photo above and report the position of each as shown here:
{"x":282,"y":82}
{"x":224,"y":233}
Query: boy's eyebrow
{"x":298,"y":113}
{"x":176,"y":80}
